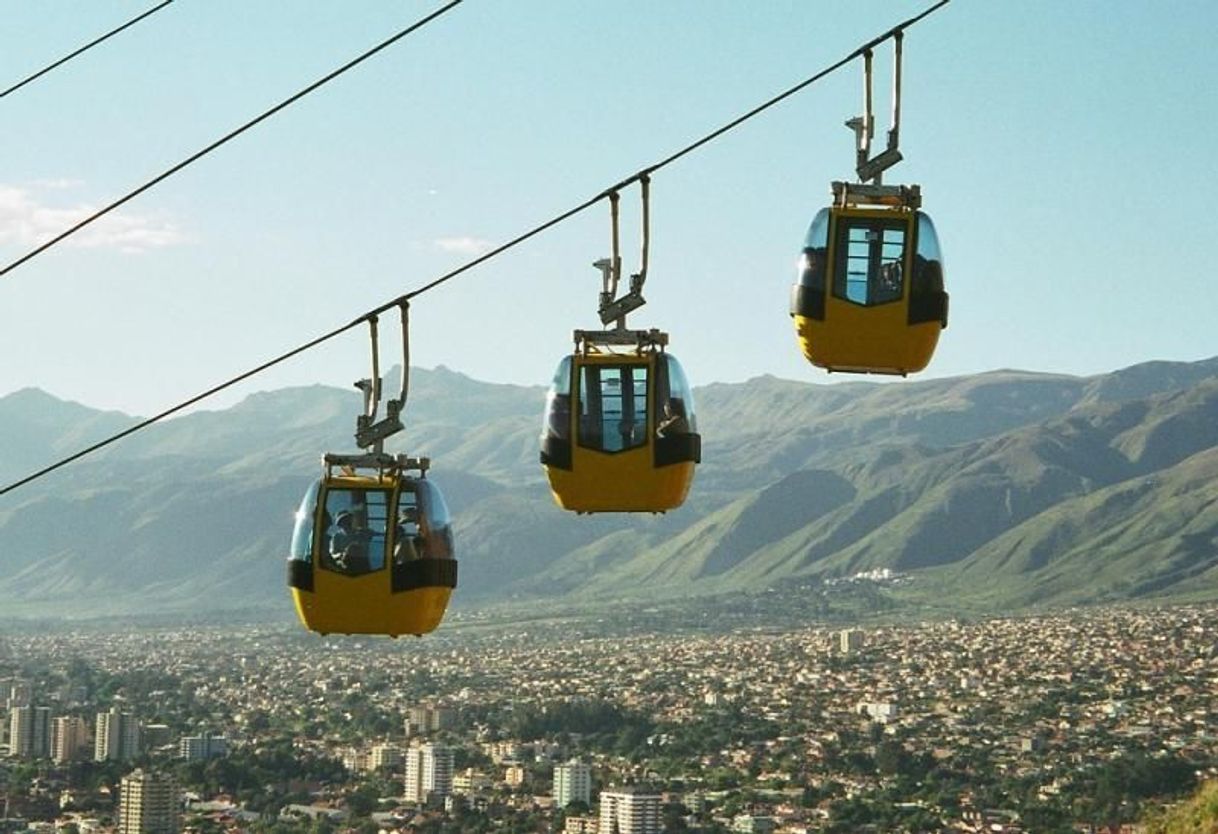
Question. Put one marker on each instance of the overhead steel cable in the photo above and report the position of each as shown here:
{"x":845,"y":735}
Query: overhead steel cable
{"x":231,"y":135}
{"x":858,"y":53}
{"x":84,"y":49}
{"x":668,"y":160}
{"x":516,"y":241}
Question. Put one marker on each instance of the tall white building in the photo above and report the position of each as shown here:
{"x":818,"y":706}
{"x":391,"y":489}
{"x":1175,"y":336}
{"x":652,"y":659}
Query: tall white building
{"x":69,"y":738}
{"x":629,"y":810}
{"x":117,"y":736}
{"x":202,"y":746}
{"x":148,"y":804}
{"x":29,"y":732}
{"x":572,"y":783}
{"x":429,"y":772}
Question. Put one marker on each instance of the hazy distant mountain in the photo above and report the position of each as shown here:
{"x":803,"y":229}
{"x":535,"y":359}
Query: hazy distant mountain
{"x":1009,"y":488}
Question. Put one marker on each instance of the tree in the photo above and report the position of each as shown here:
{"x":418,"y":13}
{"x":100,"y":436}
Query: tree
{"x":362,"y":801}
{"x":891,"y":758}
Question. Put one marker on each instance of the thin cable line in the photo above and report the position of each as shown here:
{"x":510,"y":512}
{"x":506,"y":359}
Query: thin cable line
{"x":514,"y":242}
{"x":84,"y":49}
{"x":536,"y":230}
{"x":232,"y":135}
{"x":175,"y":409}
{"x":688,"y":149}
{"x":710,"y":137}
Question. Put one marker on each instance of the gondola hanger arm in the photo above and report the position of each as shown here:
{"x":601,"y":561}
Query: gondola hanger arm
{"x":370,"y":434}
{"x":613,"y":309}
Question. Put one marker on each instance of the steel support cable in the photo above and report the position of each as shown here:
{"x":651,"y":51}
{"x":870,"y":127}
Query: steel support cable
{"x":84,"y":49}
{"x":516,"y":241}
{"x":143,"y":424}
{"x":688,"y":149}
{"x":232,"y":135}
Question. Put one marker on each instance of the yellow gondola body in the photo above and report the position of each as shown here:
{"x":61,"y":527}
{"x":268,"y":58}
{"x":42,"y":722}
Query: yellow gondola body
{"x":870,"y":298}
{"x":390,"y":571}
{"x":619,"y":433}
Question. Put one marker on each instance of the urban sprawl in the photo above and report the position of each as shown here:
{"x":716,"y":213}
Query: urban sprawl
{"x":1078,"y":721}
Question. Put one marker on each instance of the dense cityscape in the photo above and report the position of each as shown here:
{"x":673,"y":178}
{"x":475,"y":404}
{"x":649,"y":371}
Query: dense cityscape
{"x":1076,"y":721}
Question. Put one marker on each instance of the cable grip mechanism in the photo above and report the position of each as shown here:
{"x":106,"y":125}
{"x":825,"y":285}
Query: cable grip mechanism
{"x":871,"y":168}
{"x":613,"y":309}
{"x":369,"y":433}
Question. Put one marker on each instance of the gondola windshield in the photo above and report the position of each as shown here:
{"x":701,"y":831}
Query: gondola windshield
{"x":613,"y":407}
{"x":869,"y":261}
{"x":354,"y":530}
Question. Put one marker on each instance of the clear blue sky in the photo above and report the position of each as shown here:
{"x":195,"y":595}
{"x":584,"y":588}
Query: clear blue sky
{"x":1064,"y":150}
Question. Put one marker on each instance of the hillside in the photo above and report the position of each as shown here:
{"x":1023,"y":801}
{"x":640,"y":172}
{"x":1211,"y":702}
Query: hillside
{"x":1007,"y":488}
{"x":1197,"y":814}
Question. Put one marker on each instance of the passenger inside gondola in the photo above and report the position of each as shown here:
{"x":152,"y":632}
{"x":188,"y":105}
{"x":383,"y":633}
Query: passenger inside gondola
{"x":349,"y":545}
{"x":674,"y":421}
{"x":408,"y":544}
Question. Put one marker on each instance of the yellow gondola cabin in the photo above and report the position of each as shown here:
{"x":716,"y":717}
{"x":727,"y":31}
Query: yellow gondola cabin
{"x":620,"y":433}
{"x":870,"y":297}
{"x":372,"y":552}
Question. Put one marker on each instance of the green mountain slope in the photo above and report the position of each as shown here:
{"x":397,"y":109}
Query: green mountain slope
{"x":1013,"y":488}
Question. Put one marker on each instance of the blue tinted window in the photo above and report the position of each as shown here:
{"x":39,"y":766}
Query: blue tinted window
{"x":818,"y":231}
{"x":928,"y":262}
{"x":302,"y":532}
{"x":557,"y":418}
{"x":928,"y":241}
{"x":677,"y":406}
{"x":438,"y":542}
{"x":816,"y":245}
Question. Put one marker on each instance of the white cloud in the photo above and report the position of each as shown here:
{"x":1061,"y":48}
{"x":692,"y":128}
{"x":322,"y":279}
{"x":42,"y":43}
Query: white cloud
{"x":25,"y":220}
{"x":61,"y":183}
{"x":463,"y":245}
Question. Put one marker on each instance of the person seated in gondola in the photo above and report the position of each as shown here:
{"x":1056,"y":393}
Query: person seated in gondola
{"x":888,"y":288}
{"x":349,"y":545}
{"x":674,"y":421}
{"x":407,"y":543}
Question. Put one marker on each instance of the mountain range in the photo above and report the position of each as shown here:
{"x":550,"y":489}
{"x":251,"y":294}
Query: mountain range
{"x":1000,"y":491}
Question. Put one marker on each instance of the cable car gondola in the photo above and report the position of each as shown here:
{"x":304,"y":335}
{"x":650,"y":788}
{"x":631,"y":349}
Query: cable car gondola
{"x":870,"y":296}
{"x":372,"y":550}
{"x":619,"y":432}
